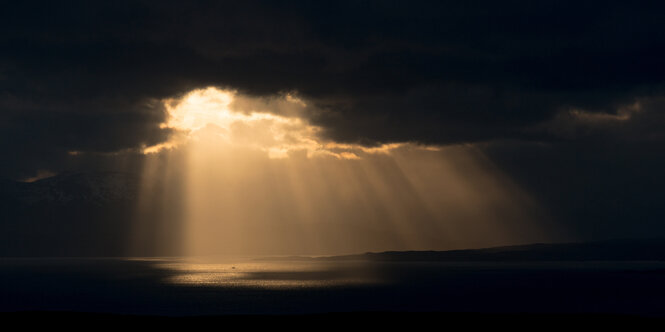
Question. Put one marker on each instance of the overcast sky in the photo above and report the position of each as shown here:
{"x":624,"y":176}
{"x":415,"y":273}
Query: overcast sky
{"x":566,"y":97}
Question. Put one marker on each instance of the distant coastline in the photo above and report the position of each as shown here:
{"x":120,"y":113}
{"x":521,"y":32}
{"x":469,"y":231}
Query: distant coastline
{"x":607,"y":250}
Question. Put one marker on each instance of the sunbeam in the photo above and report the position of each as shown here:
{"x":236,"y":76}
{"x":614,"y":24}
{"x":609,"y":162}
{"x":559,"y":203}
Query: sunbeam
{"x":255,"y":178}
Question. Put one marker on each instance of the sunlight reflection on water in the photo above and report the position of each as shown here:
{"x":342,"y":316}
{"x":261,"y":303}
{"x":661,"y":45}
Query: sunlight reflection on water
{"x":267,"y":275}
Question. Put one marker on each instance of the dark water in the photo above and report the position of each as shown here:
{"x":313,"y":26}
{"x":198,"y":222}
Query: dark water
{"x":179,"y":287}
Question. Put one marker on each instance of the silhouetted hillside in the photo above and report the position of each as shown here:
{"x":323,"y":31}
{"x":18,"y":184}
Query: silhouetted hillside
{"x":71,"y":214}
{"x":96,"y":188}
{"x":620,"y":249}
{"x":609,"y":250}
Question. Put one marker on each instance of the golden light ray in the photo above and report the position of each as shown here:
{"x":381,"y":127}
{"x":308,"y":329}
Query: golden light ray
{"x":259,"y":178}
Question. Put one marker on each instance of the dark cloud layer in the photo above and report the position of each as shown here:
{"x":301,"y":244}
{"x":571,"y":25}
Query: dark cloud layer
{"x":434,"y":72}
{"x":85,"y":76}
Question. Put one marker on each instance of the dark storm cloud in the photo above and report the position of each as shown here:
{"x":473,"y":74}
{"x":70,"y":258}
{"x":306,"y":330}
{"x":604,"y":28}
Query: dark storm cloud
{"x":83,"y":76}
{"x":595,"y":190}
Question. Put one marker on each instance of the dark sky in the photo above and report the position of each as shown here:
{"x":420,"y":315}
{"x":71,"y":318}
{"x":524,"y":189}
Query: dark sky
{"x":567,"y":97}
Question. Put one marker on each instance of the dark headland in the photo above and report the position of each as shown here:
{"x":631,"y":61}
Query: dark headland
{"x":607,"y":250}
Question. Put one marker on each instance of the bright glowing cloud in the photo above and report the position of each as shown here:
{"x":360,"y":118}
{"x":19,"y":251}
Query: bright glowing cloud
{"x":272,"y":125}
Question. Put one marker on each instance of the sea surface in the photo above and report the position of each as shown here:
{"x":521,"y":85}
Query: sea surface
{"x":186,"y":287}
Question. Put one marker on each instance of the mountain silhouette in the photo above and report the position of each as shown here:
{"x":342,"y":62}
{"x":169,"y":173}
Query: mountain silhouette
{"x":606,"y":250}
{"x":70,"y":214}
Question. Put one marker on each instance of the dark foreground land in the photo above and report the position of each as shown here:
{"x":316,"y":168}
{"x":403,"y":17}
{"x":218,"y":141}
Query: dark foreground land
{"x":341,"y":321}
{"x":397,"y":288}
